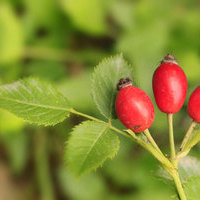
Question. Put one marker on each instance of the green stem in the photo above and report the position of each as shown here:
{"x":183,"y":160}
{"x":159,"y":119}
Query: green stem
{"x":98,"y":120}
{"x":86,"y":116}
{"x":179,"y":186}
{"x":167,"y":165}
{"x":188,"y":134}
{"x":151,"y":140}
{"x":171,"y":137}
{"x":152,"y":148}
{"x":159,"y":156}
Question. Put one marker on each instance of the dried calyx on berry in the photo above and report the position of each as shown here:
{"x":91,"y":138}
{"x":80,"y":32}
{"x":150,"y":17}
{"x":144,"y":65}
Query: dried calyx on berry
{"x":124,"y":82}
{"x":133,"y":107}
{"x":169,"y":85}
{"x":169,"y":58}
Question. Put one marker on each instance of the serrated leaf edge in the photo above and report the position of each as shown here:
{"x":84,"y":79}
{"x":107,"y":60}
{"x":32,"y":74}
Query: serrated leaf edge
{"x":52,"y":107}
{"x":93,"y":79}
{"x":111,"y":156}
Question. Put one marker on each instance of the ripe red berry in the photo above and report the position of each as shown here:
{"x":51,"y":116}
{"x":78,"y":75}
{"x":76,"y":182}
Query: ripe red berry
{"x":194,"y":105}
{"x":133,"y":107}
{"x":169,"y":85}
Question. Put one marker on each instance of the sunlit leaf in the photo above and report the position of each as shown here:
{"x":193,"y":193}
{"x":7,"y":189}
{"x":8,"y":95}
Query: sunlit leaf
{"x":35,"y":101}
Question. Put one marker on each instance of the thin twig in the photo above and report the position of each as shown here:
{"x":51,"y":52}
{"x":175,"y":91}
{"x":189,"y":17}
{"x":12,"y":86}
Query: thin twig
{"x":151,"y":140}
{"x":188,"y":134}
{"x":171,"y":137}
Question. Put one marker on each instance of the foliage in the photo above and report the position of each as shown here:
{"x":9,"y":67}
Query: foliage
{"x":34,"y":101}
{"x":104,"y":81}
{"x":89,"y":145}
{"x":38,"y":102}
{"x":60,"y":42}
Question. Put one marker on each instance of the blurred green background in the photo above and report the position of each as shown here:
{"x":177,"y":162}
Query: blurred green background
{"x":61,"y":41}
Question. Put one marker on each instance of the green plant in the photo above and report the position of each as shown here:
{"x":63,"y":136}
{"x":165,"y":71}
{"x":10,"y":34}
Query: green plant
{"x":95,"y":140}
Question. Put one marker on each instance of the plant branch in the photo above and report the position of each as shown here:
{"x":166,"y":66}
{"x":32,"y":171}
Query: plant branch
{"x":179,"y":186}
{"x":98,"y":120}
{"x":188,"y":134}
{"x":86,"y":116}
{"x":167,"y":165}
{"x":171,"y":137}
{"x":158,"y":155}
{"x":151,"y":140}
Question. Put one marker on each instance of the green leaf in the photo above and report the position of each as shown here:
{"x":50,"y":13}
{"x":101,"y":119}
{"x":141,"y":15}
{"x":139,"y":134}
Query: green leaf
{"x":35,"y":101}
{"x":104,"y":83}
{"x":90,"y":144}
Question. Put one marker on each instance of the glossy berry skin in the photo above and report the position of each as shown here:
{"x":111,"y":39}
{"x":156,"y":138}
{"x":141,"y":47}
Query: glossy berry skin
{"x":134,"y":109}
{"x":169,"y":87}
{"x":194,"y":105}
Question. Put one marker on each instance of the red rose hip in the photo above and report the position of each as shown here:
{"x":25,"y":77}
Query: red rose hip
{"x":194,"y":105}
{"x":169,"y":85}
{"x":133,"y":107}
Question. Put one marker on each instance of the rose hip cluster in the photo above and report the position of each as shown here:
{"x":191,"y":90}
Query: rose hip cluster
{"x":135,"y":109}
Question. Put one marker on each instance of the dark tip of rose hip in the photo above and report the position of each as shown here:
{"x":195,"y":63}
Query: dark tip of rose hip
{"x":124,"y":82}
{"x":169,"y":58}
